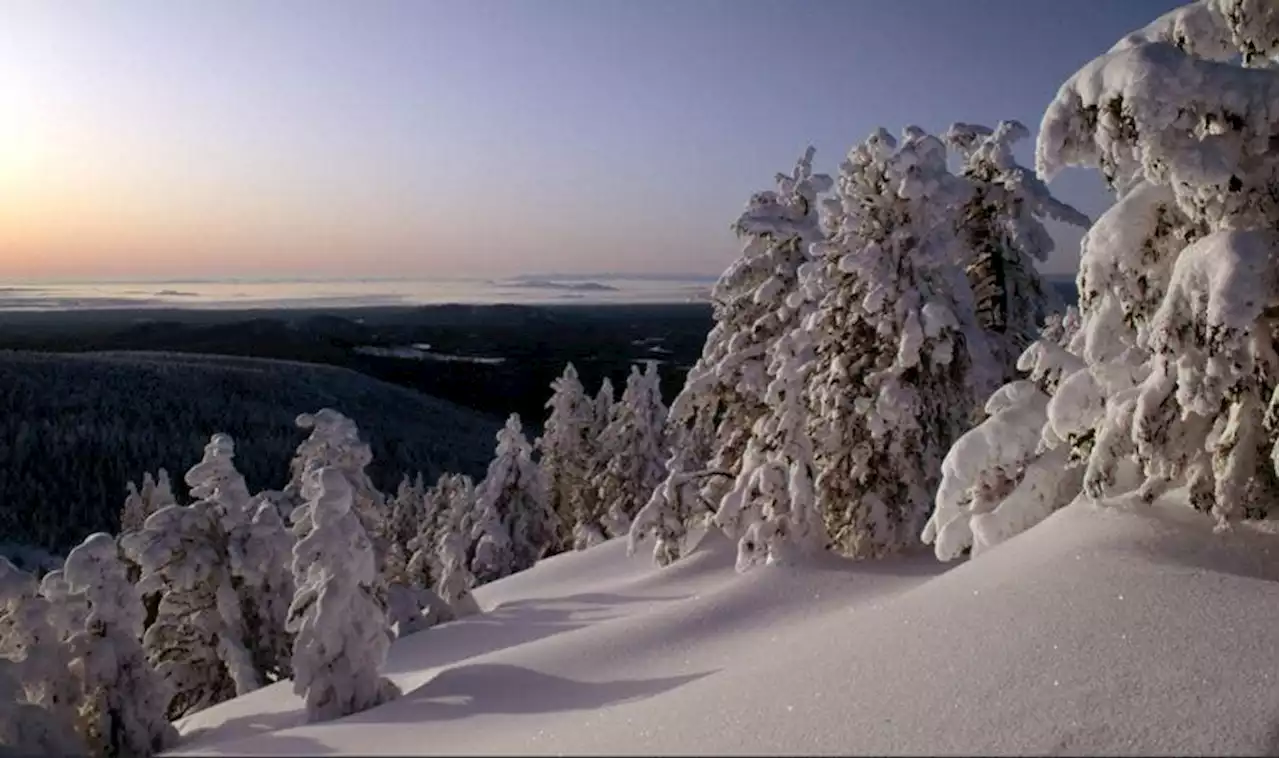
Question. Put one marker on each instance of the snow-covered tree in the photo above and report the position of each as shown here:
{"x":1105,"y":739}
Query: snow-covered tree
{"x":335,"y":441}
{"x":635,"y":446}
{"x":1166,"y":380}
{"x":123,"y":700}
{"x":998,"y":479}
{"x":901,"y":364}
{"x":198,"y":642}
{"x":588,"y":529}
{"x":1002,"y":223}
{"x":514,"y":522}
{"x":38,"y":693}
{"x":156,"y":493}
{"x":727,"y":384}
{"x":774,"y":494}
{"x":565,"y":450}
{"x":447,"y":506}
{"x":338,"y":617}
{"x":260,"y":549}
{"x":456,"y":579}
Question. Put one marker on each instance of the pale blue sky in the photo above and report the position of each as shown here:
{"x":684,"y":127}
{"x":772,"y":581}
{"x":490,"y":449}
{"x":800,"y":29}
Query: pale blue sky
{"x":431,"y":138}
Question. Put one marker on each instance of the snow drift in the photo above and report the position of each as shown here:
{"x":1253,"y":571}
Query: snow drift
{"x":1099,"y":631}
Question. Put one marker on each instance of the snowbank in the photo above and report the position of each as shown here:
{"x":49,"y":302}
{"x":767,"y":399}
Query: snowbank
{"x":1097,"y":631}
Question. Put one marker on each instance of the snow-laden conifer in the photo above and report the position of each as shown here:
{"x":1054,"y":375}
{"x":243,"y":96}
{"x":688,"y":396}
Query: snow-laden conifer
{"x":901,"y":365}
{"x":123,"y":700}
{"x":39,"y":695}
{"x":338,"y":616}
{"x":1002,"y":222}
{"x":514,"y":523}
{"x":727,"y":384}
{"x":1165,"y":382}
{"x":635,"y":448}
{"x":565,"y":451}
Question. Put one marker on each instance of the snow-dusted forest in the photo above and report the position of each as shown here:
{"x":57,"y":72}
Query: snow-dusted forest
{"x":887,"y":373}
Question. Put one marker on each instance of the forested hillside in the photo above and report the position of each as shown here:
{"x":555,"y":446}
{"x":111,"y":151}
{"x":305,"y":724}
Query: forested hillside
{"x":74,"y":429}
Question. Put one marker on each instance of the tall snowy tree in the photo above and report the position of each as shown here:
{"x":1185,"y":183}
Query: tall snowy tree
{"x":198,"y":642}
{"x":565,"y":453}
{"x":1165,"y":381}
{"x":730,"y":378}
{"x":338,"y":617}
{"x":335,"y":441}
{"x":515,"y":524}
{"x":901,"y":364}
{"x":635,"y":446}
{"x":123,"y":700}
{"x":1002,"y":223}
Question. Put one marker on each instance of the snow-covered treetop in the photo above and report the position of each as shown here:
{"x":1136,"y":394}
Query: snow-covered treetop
{"x":334,"y":441}
{"x":571,"y":416}
{"x":1159,"y":108}
{"x":988,"y":154}
{"x":788,"y":211}
{"x":513,"y":449}
{"x":215,"y":477}
{"x":94,"y":568}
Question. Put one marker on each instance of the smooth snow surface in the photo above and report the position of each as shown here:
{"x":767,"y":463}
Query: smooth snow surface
{"x":1099,"y":631}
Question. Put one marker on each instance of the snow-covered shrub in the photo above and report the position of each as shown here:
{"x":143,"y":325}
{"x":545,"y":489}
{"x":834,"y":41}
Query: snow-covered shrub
{"x":635,"y":449}
{"x":565,"y":449}
{"x":337,"y":616}
{"x":901,"y":364}
{"x":123,"y":700}
{"x":514,"y":523}
{"x":1002,"y":223}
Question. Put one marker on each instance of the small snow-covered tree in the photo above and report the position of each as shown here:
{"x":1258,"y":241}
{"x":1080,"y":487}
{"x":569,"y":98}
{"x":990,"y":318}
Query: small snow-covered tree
{"x":635,"y":445}
{"x":38,"y":693}
{"x":1002,"y":223}
{"x":123,"y":700}
{"x":588,"y":522}
{"x":514,"y":523}
{"x":456,"y":579}
{"x":154,"y":494}
{"x":901,"y":363}
{"x":565,"y":452}
{"x":447,"y":506}
{"x":338,"y":617}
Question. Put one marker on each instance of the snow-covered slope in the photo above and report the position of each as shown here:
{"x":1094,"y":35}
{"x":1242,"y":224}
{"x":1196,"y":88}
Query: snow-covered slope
{"x":1097,"y":631}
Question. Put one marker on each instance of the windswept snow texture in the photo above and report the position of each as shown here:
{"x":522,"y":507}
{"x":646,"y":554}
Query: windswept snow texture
{"x":1098,"y":631}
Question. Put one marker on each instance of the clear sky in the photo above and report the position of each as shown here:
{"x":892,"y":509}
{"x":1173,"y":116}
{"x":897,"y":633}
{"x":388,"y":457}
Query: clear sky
{"x":423,"y":138}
